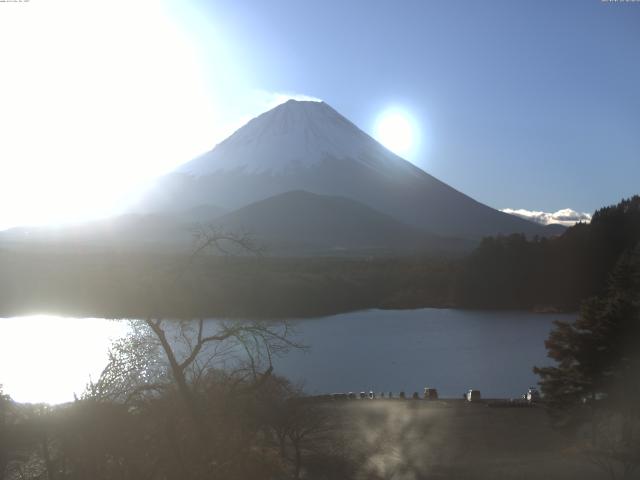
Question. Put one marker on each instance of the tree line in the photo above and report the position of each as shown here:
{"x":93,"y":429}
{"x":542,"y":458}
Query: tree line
{"x":593,"y":388}
{"x":519,"y":273}
{"x":592,"y":391}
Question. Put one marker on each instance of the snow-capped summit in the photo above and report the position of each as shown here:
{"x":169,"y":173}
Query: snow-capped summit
{"x":295,"y":134}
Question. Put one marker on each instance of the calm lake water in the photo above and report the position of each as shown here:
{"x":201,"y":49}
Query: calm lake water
{"x":46,"y":358}
{"x":451,"y":350}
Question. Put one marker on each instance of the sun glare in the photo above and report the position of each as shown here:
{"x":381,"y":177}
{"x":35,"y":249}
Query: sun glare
{"x":56,"y":356}
{"x":96,"y":98}
{"x":395,"y":130}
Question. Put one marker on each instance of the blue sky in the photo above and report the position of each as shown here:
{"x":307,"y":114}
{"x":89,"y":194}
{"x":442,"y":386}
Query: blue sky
{"x":530,"y":105}
{"x":520,"y":104}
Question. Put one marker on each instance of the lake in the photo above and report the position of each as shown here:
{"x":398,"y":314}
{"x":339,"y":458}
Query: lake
{"x":394,"y":350}
{"x":48,"y":358}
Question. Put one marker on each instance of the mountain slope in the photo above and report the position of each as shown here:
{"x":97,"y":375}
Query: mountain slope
{"x":299,"y":221}
{"x":309,"y":146}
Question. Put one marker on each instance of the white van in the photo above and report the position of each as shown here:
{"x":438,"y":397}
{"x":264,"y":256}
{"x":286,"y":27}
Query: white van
{"x":532,"y":395}
{"x":472,"y":395}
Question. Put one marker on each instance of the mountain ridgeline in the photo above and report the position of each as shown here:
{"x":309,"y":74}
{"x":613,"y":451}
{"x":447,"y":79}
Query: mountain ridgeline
{"x":516,"y":272}
{"x":310,"y":224}
{"x":303,"y":181}
{"x":308,"y":146}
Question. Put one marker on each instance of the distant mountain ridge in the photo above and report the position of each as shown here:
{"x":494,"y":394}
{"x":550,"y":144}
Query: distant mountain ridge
{"x":309,"y":146}
{"x":292,"y":224}
{"x":301,"y":221}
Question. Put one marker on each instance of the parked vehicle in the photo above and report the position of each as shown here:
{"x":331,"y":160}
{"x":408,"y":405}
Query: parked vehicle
{"x":363,"y":395}
{"x":372,"y":395}
{"x":472,"y":395}
{"x":352,"y":396}
{"x":532,"y":395}
{"x":402,"y":395}
{"x":415,"y":396}
{"x":430,"y":393}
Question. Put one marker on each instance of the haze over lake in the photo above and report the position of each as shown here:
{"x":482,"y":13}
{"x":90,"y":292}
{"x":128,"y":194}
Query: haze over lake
{"x":380,"y":350}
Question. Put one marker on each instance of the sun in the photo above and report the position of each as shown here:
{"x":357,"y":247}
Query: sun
{"x":395,"y":130}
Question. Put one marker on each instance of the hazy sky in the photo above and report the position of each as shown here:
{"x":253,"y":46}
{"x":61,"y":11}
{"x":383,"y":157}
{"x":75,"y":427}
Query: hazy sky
{"x":524,"y":105}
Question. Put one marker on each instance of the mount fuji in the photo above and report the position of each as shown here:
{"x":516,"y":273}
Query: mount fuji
{"x":308,"y":146}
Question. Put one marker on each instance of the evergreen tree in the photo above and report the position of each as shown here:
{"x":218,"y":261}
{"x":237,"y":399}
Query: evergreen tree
{"x":596,"y":382}
{"x":595,"y":352}
{"x":516,"y":272}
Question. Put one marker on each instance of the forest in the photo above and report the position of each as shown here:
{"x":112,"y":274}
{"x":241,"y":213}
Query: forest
{"x":504,"y":272}
{"x":135,"y":284}
{"x":556,"y":273}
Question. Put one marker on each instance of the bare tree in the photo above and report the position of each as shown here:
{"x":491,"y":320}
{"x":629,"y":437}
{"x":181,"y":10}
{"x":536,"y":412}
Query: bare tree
{"x":257,"y":340}
{"x":306,"y":420}
{"x":297,"y":422}
{"x":134,"y":369}
{"x":164,"y":359}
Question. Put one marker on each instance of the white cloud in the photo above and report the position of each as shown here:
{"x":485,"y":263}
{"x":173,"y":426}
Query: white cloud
{"x":566,"y":216}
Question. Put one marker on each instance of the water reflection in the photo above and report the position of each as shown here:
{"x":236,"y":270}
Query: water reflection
{"x":46,"y":358}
